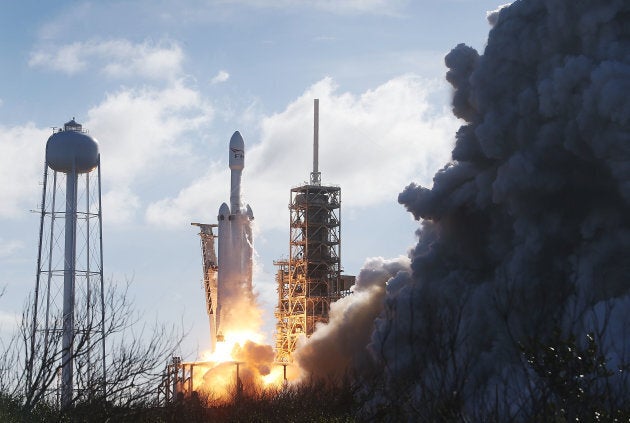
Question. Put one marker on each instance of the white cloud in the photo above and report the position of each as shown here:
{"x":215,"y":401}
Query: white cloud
{"x":193,"y":202}
{"x":371,"y":145}
{"x":9,"y":321}
{"x":385,"y":7}
{"x":380,"y":7}
{"x":141,"y":127}
{"x":67,"y":59}
{"x":222,"y":76}
{"x":115,"y":58}
{"x":21,"y":168}
{"x":120,"y":205}
{"x":139,"y":132}
{"x":141,"y":59}
{"x":8,"y":248}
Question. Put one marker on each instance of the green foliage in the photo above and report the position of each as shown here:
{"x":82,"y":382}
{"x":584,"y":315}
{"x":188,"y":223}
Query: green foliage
{"x":9,"y":409}
{"x":314,"y":401}
{"x":12,"y":410}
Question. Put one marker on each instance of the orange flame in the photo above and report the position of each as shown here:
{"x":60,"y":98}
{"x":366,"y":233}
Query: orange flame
{"x":242,"y":363}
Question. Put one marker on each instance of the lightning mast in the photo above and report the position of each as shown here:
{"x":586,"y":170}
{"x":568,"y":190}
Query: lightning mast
{"x":310,"y":280}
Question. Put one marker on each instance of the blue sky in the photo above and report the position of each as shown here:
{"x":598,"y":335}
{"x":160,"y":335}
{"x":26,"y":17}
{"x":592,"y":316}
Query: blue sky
{"x":163,"y":84}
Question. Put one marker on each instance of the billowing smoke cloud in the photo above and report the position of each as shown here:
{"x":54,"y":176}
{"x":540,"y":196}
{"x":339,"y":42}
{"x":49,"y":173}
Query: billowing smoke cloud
{"x":257,"y":357}
{"x":527,"y":231}
{"x":338,"y":348}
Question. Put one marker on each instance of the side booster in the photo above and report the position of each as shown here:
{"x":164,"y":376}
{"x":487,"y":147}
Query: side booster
{"x":235,"y":245}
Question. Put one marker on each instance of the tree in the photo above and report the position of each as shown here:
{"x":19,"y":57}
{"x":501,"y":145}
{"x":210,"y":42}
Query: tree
{"x":572,"y":378}
{"x":124,"y":373}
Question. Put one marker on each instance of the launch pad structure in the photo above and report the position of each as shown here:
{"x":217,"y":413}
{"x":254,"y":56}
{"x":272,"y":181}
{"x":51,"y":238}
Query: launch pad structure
{"x":177,"y":380}
{"x":310,"y":279}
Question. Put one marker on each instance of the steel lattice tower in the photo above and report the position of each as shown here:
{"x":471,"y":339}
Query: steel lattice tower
{"x":210,"y":269}
{"x":68,"y":309}
{"x":310,"y":280}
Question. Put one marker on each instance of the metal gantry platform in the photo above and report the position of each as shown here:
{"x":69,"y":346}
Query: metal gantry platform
{"x":310,"y":280}
{"x":210,"y":269}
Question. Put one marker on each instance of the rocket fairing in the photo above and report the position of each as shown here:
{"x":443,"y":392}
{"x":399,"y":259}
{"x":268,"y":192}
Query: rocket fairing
{"x":235,"y":248}
{"x":237,"y":164}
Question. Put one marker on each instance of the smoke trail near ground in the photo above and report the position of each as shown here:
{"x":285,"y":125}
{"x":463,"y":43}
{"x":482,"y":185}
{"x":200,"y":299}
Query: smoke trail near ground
{"x":525,"y":236}
{"x":258,"y":357}
{"x":339,"y":347}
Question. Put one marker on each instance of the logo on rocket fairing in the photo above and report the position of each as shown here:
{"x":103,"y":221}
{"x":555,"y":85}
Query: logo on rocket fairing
{"x":238,"y":153}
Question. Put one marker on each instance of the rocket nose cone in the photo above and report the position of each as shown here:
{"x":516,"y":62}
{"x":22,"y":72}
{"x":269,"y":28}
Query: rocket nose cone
{"x":237,"y":141}
{"x":237,"y":151}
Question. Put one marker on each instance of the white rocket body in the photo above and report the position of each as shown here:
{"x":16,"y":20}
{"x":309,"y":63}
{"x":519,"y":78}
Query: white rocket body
{"x":235,"y":245}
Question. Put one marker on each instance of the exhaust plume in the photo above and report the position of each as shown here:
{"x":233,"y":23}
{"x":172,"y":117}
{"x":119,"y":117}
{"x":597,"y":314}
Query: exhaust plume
{"x":528,"y":228}
{"x":338,"y":347}
{"x":525,"y":232}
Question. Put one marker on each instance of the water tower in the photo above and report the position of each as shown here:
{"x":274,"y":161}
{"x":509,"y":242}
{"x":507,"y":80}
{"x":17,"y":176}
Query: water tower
{"x":68,"y":331}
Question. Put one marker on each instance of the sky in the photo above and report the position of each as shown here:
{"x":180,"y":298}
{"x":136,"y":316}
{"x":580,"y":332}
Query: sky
{"x":162,"y":85}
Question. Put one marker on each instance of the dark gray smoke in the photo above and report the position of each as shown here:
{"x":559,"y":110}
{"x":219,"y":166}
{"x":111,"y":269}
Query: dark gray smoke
{"x":526,"y":234}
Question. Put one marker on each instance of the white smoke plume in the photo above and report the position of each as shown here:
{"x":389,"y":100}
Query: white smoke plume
{"x":339,"y":347}
{"x":527,"y":231}
{"x":257,"y":356}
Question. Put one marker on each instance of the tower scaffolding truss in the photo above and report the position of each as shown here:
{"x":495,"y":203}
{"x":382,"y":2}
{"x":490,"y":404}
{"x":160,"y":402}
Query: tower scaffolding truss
{"x":310,"y":280}
{"x":210,"y":269}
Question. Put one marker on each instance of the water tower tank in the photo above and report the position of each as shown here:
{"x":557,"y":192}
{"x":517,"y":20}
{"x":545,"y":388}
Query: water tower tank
{"x":72,"y":146}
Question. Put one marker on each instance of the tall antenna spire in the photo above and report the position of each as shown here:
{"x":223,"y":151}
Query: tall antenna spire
{"x":316,"y":176}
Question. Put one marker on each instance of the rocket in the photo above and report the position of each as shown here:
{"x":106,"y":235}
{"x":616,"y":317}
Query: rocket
{"x":235,"y":249}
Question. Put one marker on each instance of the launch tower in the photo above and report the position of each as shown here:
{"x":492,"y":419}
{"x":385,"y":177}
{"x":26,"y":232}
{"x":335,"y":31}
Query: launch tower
{"x":310,"y":280}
